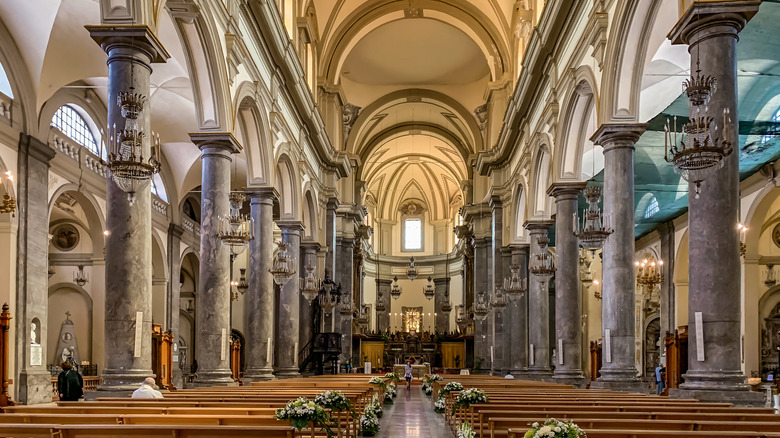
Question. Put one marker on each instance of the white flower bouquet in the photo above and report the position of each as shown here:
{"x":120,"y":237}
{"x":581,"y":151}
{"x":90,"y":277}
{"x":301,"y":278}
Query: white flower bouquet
{"x":369,"y":424}
{"x":379,"y":382}
{"x":469,"y":397}
{"x":434,"y":378}
{"x":553,"y":428}
{"x":391,"y":389}
{"x":393,"y":377}
{"x":302,"y":411}
{"x":334,"y":400}
{"x":465,"y":430}
{"x":438,"y":405}
{"x":373,"y":407}
{"x":450,"y":387}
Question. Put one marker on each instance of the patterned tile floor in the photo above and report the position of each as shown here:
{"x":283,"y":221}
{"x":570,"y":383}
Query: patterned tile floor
{"x":412,"y":416}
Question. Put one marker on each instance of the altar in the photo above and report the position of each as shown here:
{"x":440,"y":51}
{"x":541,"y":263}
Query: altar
{"x":418,"y":370}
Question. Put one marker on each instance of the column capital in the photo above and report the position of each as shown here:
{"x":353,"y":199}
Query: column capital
{"x":538,"y":225}
{"x":36,"y":148}
{"x":618,"y":135}
{"x":135,"y":37}
{"x":216,"y":140}
{"x":333,"y":204}
{"x":175,"y":230}
{"x":290,"y":227}
{"x":495,"y":202}
{"x":441,"y":281}
{"x":380,"y":281}
{"x":310,"y":246}
{"x":505,"y":250}
{"x":566,"y":190}
{"x":705,"y":19}
{"x":262,"y":194}
{"x":519,"y":248}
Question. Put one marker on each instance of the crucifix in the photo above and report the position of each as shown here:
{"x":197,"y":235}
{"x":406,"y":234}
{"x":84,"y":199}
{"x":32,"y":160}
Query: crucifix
{"x":67,"y":314}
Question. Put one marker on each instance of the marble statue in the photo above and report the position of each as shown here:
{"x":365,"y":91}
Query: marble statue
{"x":33,"y":336}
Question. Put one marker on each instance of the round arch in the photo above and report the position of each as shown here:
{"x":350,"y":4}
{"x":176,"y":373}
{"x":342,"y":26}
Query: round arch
{"x":93,"y":214}
{"x":286,"y":183}
{"x":541,"y":170}
{"x":579,"y":122}
{"x":251,"y":118}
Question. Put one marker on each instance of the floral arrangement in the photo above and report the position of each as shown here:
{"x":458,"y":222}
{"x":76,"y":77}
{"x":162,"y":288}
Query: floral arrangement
{"x":427,"y":385}
{"x":302,"y":411}
{"x":438,"y":405}
{"x":334,"y":400}
{"x":393,"y":377}
{"x":553,"y":428}
{"x":369,"y":424}
{"x":427,"y":389}
{"x":373,"y":407}
{"x":465,"y":430}
{"x":388,"y":398}
{"x":450,"y":387}
{"x":391,"y":389}
{"x":469,"y":397}
{"x":390,"y":393}
{"x":435,"y":378}
{"x":379,"y":382}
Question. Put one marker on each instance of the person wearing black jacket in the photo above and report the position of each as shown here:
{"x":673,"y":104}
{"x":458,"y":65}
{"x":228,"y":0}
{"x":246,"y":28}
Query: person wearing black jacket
{"x":69,"y":383}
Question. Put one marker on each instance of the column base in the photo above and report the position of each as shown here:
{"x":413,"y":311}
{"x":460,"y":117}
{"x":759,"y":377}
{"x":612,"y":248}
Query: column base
{"x":122,"y":380}
{"x":714,"y":381}
{"x":570,"y":377}
{"x":519,"y":373}
{"x":736,"y":397}
{"x":619,"y":385}
{"x":287,"y":373}
{"x":214,"y":378}
{"x":34,"y":387}
{"x":258,"y":375}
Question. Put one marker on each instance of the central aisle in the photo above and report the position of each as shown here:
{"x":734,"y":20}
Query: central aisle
{"x":412,"y":415}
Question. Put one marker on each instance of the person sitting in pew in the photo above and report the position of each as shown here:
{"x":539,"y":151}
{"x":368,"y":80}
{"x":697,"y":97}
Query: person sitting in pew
{"x":147,"y":390}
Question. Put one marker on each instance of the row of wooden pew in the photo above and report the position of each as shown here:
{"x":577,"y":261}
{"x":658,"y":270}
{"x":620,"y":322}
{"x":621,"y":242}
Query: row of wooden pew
{"x":515,"y":404}
{"x":203,"y":412}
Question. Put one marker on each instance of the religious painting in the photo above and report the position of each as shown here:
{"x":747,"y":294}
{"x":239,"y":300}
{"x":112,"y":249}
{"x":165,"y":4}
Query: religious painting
{"x":412,"y":318}
{"x":65,"y":237}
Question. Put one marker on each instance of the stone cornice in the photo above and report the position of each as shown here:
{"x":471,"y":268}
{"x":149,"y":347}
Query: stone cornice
{"x":566,"y":189}
{"x":139,"y":36}
{"x":219,"y":140}
{"x":703,"y":14}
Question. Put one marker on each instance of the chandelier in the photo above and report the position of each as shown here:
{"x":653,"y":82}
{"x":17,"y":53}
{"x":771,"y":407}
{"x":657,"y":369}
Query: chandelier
{"x":429,"y":291}
{"x":499,"y":298}
{"x":235,"y":230}
{"x":310,"y":286}
{"x":594,"y":230}
{"x":481,"y":307}
{"x":514,"y":285}
{"x":542,"y":266}
{"x":395,"y":289}
{"x":282,"y":268}
{"x":329,"y":294}
{"x":9,"y":203}
{"x":362,"y":317}
{"x":345,"y":308}
{"x":597,"y":289}
{"x":380,"y":303}
{"x":649,"y":273}
{"x":461,"y":318}
{"x":770,"y":280}
{"x":411,"y":270}
{"x":80,"y":277}
{"x":240,"y":286}
{"x":130,"y":169}
{"x":704,"y":152}
{"x":446,"y":306}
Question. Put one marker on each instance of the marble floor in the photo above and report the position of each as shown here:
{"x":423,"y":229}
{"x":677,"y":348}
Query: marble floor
{"x":412,"y":416}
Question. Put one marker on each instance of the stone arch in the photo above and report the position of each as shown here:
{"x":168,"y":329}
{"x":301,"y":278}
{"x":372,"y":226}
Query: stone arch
{"x":21,"y":84}
{"x":464,"y":16}
{"x":754,"y":218}
{"x":518,"y":233}
{"x":207,"y":68}
{"x":580,"y":121}
{"x":286,"y":183}
{"x":92,"y":211}
{"x":541,"y":171}
{"x":250,"y":123}
{"x":634,"y":33}
{"x":87,"y":101}
{"x":309,"y":216}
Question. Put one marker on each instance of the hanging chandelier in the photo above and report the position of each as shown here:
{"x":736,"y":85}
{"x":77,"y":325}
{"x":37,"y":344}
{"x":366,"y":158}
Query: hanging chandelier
{"x":649,"y":273}
{"x":80,"y":277}
{"x":542,"y":266}
{"x":770,"y":279}
{"x":481,"y":307}
{"x":514,"y":285}
{"x":282,"y":267}
{"x":130,"y":168}
{"x":411,"y":270}
{"x":395,"y":289}
{"x":235,"y":230}
{"x":461,"y":318}
{"x":595,"y":229}
{"x":700,"y":152}
{"x":327,"y":302}
{"x":242,"y":285}
{"x":429,"y":290}
{"x":9,"y":203}
{"x":362,"y":317}
{"x":499,"y":298}
{"x":310,"y":286}
{"x":380,"y":303}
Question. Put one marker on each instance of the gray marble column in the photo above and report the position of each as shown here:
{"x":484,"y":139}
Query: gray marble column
{"x":32,"y":283}
{"x":174,"y":297}
{"x":497,"y":268}
{"x":568,"y":300}
{"x":539,"y":354}
{"x":345,"y":268}
{"x":213,"y":314}
{"x":618,"y":369}
{"x":714,"y":372}
{"x":507,"y":312}
{"x":383,"y":295}
{"x":131,"y":50}
{"x":309,"y":252}
{"x":287,"y":347}
{"x":442,"y":318}
{"x":260,"y":294}
{"x":482,"y":286}
{"x":330,"y":322}
{"x":518,"y":309}
{"x":668,"y":251}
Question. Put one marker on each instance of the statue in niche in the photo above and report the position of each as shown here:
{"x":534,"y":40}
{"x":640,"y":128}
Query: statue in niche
{"x":33,"y":335}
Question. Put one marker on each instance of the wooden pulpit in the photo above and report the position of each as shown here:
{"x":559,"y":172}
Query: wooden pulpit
{"x":595,"y":359}
{"x":5,"y":325}
{"x":162,"y":357}
{"x":676,"y":356}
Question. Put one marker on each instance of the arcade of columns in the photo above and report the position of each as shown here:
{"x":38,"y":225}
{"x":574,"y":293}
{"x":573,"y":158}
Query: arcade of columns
{"x":518,"y":334}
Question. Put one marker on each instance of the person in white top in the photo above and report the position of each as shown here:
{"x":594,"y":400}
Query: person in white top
{"x":147,"y":390}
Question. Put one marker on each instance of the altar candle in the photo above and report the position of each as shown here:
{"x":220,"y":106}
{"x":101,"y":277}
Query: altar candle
{"x":268,"y":351}
{"x":295,"y":354}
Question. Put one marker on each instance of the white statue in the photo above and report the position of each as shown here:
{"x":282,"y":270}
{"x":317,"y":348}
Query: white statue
{"x":33,"y":336}
{"x":66,"y":354}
